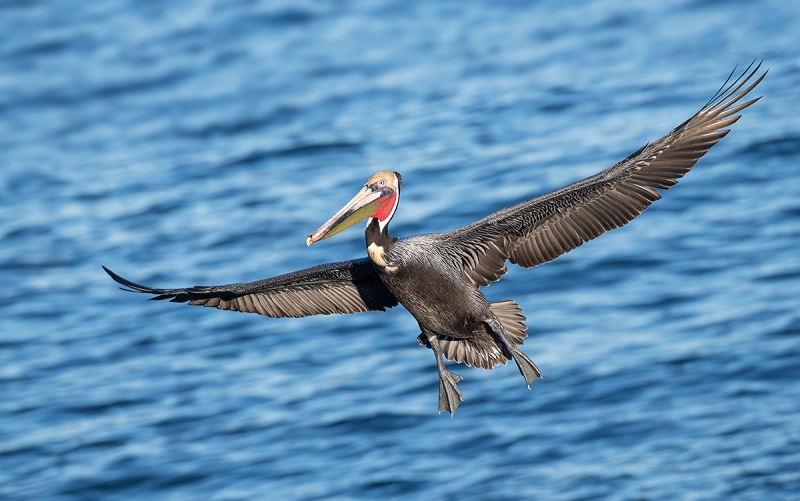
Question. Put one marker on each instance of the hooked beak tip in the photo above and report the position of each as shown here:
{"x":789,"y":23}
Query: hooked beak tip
{"x":309,"y":241}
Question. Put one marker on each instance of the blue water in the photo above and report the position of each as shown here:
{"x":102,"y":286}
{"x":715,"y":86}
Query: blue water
{"x":199,"y":142}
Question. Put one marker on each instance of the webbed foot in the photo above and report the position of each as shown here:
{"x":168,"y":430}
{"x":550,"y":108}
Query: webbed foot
{"x":526,"y":366}
{"x":449,"y":394}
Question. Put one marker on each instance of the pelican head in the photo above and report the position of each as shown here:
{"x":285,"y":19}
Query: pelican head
{"x":377,"y":199}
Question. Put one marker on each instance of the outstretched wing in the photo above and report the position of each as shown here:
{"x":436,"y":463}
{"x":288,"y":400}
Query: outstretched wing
{"x":345,"y":287}
{"x":541,"y":229}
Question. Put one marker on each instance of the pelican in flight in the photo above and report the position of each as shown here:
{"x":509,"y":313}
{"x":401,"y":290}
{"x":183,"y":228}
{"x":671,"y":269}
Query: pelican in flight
{"x":438,"y":276}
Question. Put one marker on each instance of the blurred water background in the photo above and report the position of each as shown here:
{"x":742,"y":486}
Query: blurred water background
{"x":199,"y":142}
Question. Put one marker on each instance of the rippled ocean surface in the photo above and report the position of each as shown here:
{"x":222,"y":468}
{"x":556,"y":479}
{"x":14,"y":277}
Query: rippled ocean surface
{"x":199,"y":142}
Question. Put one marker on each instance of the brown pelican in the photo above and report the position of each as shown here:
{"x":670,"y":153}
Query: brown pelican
{"x":437,"y":277}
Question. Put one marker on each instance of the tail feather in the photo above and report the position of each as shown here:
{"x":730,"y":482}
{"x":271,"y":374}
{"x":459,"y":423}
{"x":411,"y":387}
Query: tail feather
{"x":482,"y":351}
{"x":511,"y":318}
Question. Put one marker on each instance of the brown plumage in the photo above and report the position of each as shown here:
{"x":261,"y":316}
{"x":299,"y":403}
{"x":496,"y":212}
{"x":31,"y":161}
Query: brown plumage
{"x":437,"y":277}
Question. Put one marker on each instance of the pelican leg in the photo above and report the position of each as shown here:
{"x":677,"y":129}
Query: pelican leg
{"x":449,"y":394}
{"x":525,"y":365}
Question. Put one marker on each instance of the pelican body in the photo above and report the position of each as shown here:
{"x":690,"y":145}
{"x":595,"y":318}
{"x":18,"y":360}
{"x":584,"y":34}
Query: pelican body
{"x":437,"y":277}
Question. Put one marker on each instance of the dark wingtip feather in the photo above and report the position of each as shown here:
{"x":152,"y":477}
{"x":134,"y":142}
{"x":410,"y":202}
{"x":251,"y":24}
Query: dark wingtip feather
{"x":721,"y":97}
{"x":118,"y":279}
{"x":724,"y":88}
{"x":132,"y":286}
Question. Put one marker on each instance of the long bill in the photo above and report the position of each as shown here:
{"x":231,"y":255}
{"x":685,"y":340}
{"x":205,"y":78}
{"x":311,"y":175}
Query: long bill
{"x":362,"y":206}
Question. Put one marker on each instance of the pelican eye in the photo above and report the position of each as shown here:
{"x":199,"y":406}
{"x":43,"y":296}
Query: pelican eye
{"x":380,"y":185}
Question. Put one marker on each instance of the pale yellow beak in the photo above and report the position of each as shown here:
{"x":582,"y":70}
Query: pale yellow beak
{"x":362,"y":206}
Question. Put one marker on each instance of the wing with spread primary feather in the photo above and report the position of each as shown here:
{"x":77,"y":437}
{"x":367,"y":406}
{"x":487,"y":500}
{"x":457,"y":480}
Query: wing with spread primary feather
{"x":541,"y":229}
{"x":344,"y":287}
